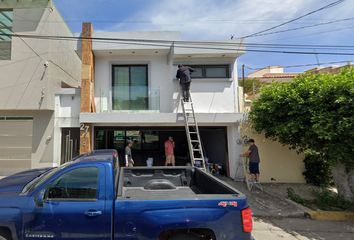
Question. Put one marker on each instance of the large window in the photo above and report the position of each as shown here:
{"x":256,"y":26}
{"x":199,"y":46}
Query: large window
{"x":80,"y":183}
{"x":143,"y":140}
{"x":210,"y":71}
{"x":129,"y":85}
{"x":6,"y":17}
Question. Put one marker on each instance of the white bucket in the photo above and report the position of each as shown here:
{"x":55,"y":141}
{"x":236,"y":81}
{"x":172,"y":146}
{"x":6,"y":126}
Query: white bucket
{"x":149,"y":162}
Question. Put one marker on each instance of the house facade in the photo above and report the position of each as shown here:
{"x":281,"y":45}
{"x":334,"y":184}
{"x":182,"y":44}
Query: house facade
{"x":31,"y":67}
{"x":129,"y":91}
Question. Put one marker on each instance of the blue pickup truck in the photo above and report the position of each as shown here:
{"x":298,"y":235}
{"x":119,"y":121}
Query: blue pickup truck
{"x":91,"y":197}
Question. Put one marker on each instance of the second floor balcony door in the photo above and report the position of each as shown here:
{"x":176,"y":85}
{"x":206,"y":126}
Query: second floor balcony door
{"x":129,"y":90}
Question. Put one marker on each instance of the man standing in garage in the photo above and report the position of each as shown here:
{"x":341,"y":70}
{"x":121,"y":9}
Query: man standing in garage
{"x":128,"y":154}
{"x":169,"y":152}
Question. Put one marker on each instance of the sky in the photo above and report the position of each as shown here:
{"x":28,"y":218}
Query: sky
{"x":220,"y":19}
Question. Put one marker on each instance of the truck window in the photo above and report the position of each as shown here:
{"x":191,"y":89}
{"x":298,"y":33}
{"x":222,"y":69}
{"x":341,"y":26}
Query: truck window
{"x":80,"y":183}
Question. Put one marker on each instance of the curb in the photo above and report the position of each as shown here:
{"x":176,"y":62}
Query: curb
{"x":329,"y":215}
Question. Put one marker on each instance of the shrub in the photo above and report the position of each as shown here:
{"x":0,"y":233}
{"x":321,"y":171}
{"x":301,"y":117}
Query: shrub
{"x":318,"y":171}
{"x":328,"y":200}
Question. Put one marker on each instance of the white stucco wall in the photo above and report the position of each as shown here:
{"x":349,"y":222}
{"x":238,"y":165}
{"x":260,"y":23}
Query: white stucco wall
{"x":67,"y":111}
{"x":209,"y":95}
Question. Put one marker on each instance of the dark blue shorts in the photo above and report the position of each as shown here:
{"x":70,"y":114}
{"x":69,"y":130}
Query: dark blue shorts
{"x":254,"y":168}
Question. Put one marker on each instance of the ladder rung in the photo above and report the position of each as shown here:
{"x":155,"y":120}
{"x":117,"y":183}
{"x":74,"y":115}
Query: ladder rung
{"x":191,"y":124}
{"x":195,"y":141}
{"x":197,"y":150}
{"x":193,"y":132}
{"x":199,"y":159}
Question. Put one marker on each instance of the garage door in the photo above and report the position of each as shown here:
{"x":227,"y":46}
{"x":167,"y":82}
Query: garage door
{"x":15,"y":144}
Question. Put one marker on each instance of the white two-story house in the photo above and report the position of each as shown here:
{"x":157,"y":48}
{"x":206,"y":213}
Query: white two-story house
{"x":135,"y":95}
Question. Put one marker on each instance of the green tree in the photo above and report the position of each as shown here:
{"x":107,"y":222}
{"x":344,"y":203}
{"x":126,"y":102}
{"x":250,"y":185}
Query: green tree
{"x":314,"y":112}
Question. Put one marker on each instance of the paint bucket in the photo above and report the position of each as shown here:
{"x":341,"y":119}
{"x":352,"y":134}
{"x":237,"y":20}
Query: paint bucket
{"x":198,"y":164}
{"x":149,"y":162}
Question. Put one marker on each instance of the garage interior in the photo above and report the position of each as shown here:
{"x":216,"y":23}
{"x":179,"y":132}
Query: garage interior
{"x":149,"y":143}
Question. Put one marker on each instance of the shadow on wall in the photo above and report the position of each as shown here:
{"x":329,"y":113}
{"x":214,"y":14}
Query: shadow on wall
{"x":28,"y":19}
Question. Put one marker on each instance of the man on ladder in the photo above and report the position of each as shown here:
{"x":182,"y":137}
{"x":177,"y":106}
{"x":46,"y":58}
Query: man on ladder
{"x":184,"y":76}
{"x":190,"y":121}
{"x":254,"y":160}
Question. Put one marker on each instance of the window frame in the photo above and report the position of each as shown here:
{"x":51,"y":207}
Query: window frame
{"x":205,"y":66}
{"x":6,"y":27}
{"x":47,"y":188}
{"x":130,"y":80}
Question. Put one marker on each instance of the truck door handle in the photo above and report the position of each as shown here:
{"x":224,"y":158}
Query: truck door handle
{"x":93,"y":213}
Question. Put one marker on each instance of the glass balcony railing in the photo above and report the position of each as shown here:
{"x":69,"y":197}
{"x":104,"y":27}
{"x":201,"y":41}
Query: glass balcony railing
{"x":130,"y":99}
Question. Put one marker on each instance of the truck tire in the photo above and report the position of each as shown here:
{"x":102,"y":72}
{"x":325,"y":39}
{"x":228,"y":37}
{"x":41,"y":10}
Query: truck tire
{"x":183,"y":236}
{"x":5,"y":236}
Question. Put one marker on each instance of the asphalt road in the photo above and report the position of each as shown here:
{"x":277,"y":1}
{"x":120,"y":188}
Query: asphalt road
{"x":302,"y":229}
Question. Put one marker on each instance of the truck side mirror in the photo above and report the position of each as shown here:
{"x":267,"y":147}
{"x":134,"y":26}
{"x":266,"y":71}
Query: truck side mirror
{"x":40,"y":199}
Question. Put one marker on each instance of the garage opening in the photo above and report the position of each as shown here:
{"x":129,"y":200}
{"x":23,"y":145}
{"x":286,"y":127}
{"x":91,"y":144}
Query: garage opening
{"x":15,"y":144}
{"x":149,"y":143}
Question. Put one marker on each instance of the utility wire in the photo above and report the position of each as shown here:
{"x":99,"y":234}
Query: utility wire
{"x":167,"y":43}
{"x":295,"y":19}
{"x":56,"y":65}
{"x":181,"y":44}
{"x":309,"y":26}
{"x":311,"y":34}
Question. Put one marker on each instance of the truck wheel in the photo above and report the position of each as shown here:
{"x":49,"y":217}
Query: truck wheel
{"x":183,"y":236}
{"x":5,"y":236}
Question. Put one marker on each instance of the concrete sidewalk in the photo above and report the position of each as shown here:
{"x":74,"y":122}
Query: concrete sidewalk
{"x":267,"y":203}
{"x":302,"y":229}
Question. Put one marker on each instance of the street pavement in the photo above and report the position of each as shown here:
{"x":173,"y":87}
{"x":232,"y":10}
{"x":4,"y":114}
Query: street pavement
{"x":302,"y":229}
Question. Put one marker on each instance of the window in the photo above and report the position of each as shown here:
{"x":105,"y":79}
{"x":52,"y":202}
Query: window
{"x":80,"y":183}
{"x":143,"y":140}
{"x":211,"y":71}
{"x":6,"y":16}
{"x":129,"y":85}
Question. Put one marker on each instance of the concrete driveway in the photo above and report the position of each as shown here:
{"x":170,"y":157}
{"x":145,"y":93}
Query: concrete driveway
{"x":302,"y":229}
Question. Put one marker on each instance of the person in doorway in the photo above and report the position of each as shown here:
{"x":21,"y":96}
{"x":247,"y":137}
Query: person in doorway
{"x":254,"y":161}
{"x":128,"y":154}
{"x":184,"y":76}
{"x":169,"y":152}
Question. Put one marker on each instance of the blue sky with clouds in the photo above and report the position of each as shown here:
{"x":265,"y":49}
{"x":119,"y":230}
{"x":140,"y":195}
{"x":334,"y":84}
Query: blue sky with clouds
{"x":219,"y":19}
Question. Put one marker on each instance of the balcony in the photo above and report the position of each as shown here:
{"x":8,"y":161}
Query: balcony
{"x":130,"y":99}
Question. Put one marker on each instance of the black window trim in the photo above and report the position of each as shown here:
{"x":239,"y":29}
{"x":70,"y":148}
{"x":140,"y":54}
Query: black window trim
{"x":205,"y":66}
{"x":130,"y":66}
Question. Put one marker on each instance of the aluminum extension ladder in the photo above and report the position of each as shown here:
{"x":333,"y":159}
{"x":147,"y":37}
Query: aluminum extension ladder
{"x":246,"y":176}
{"x":193,"y":136}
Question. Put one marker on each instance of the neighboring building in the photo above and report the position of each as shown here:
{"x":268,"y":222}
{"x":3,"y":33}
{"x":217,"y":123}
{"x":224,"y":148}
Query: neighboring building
{"x":30,"y":69}
{"x":268,"y":74}
{"x":129,"y":91}
{"x":330,"y":69}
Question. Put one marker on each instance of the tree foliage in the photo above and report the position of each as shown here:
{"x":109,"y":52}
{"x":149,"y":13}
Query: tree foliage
{"x":313,"y":112}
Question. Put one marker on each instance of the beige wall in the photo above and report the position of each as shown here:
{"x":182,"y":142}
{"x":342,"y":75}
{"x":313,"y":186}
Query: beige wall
{"x":277,"y":161}
{"x":270,"y":69}
{"x":42,"y":147}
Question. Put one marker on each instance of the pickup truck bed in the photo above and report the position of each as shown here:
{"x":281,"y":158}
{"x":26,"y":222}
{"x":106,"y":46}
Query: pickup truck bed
{"x":160,"y":183}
